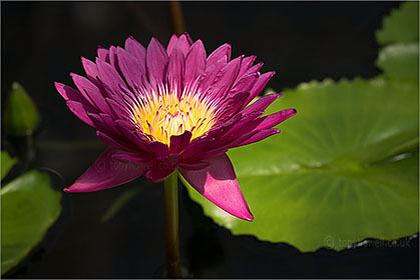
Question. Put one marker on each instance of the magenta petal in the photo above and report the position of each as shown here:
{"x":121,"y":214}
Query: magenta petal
{"x":175,"y":73}
{"x":179,"y":142}
{"x":136,"y":49}
{"x":233,"y":105}
{"x":137,"y":157}
{"x":261,"y":104}
{"x":109,"y":75}
{"x":210,"y":154}
{"x":159,"y":149}
{"x":90,"y":68}
{"x":276,"y":118}
{"x":130,"y":68}
{"x":244,"y":83}
{"x":117,"y":109}
{"x":171,"y":44}
{"x":112,"y":142}
{"x":196,"y":148}
{"x":218,"y":183}
{"x":68,"y":93}
{"x":107,"y":172}
{"x":245,"y":124}
{"x":226,"y":77}
{"x":80,"y":111}
{"x":254,"y":69}
{"x":183,"y":43}
{"x":260,"y":84}
{"x":82,"y":83}
{"x":98,"y":100}
{"x":136,"y":137}
{"x":195,"y":61}
{"x":246,"y":64}
{"x":194,"y":166}
{"x":159,"y":173}
{"x":113,"y":59}
{"x":258,"y":136}
{"x":156,"y":59}
{"x":210,"y":73}
{"x":106,"y":121}
{"x":100,"y":123}
{"x":103,"y":54}
{"x":221,"y":52}
{"x":65,"y":91}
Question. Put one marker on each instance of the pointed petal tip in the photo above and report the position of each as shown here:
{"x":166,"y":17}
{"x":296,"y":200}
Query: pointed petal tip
{"x":105,"y":173}
{"x":218,"y":184}
{"x":58,"y":85}
{"x":187,"y":37}
{"x":154,"y":40}
{"x":289,"y":112}
{"x":249,"y":217}
{"x":271,"y":73}
{"x":75,"y":188}
{"x":279,"y":94}
{"x":245,"y":214}
{"x":74,"y":75}
{"x":72,"y":189}
{"x":82,"y":58}
{"x":274,"y":95}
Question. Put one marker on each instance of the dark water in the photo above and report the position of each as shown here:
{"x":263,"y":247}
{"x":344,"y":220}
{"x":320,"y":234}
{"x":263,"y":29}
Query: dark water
{"x":42,"y":43}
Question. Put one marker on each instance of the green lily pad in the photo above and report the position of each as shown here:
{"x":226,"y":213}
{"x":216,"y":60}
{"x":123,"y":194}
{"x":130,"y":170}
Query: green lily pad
{"x":7,"y":163}
{"x":344,"y":169}
{"x":29,"y":206}
{"x":400,"y":57}
{"x":400,"y":61}
{"x":401,"y":26}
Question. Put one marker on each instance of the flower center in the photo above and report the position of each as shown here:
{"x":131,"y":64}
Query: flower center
{"x":160,"y":117}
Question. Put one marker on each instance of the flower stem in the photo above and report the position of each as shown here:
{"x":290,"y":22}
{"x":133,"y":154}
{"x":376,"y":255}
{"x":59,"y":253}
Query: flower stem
{"x":177,"y":20}
{"x":172,"y":232}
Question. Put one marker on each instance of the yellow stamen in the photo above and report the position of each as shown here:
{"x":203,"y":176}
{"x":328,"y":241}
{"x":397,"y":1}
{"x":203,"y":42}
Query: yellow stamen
{"x":162,"y":116}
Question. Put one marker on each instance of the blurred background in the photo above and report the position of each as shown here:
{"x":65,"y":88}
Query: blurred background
{"x":302,"y":41}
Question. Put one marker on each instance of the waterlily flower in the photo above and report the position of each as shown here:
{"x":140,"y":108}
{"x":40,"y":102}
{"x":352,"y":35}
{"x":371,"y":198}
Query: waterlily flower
{"x":161,"y":110}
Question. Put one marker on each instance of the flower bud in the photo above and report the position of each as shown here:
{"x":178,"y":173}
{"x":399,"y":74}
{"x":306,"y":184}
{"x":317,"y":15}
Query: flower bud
{"x":20,"y":115}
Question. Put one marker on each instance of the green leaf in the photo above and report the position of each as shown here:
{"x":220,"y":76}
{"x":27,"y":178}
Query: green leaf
{"x":401,"y":26}
{"x":29,"y":206}
{"x":20,"y":116}
{"x":400,"y":61}
{"x":344,"y":169}
{"x":7,"y":163}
